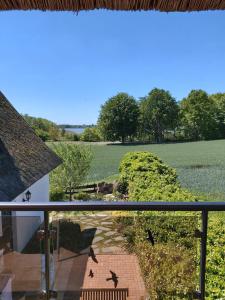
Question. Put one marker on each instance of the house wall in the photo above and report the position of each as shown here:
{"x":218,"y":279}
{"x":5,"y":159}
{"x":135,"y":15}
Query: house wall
{"x":26,"y":223}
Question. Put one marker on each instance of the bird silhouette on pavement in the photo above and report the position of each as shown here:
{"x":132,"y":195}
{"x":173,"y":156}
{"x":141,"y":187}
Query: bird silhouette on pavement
{"x":91,"y":274}
{"x":114,"y":278}
{"x":92,"y":255}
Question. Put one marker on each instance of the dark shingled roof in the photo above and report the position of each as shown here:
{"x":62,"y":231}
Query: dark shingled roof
{"x":78,"y":5}
{"x":24,"y":157}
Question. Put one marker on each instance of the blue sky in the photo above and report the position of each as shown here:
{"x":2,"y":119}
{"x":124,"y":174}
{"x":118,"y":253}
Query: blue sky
{"x":63,"y":66}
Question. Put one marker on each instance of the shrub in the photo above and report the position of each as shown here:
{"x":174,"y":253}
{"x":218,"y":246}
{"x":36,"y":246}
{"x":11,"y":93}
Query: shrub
{"x":57,"y":195}
{"x":215,"y":286}
{"x":136,"y":164}
{"x":74,"y":170}
{"x":44,"y":135}
{"x":91,"y":135}
{"x":169,"y":266}
{"x":146,"y":178}
{"x":44,"y":128}
{"x":82,"y":196}
{"x":70,"y":136}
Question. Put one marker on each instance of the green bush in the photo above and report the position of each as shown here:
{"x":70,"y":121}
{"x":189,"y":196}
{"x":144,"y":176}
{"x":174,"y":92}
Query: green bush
{"x":91,"y":135}
{"x":147,"y":178}
{"x":139,"y":163}
{"x":44,"y":128}
{"x":215,"y":285}
{"x":70,"y":136}
{"x":57,"y":195}
{"x":74,"y":169}
{"x":82,"y":196}
{"x":169,"y":267}
{"x":44,"y":135}
{"x":169,"y":271}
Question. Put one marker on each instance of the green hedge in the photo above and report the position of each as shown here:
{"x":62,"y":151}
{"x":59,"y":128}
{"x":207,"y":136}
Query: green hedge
{"x":146,"y":178}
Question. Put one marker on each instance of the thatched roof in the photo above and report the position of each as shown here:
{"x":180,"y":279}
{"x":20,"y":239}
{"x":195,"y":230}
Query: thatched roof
{"x":78,"y":5}
{"x":24,"y":158}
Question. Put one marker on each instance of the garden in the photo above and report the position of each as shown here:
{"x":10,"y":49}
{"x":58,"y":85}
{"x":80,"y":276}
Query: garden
{"x":169,"y":257}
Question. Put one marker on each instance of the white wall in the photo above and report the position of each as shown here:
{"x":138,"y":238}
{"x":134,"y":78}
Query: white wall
{"x":39,"y":191}
{"x":26,"y":223}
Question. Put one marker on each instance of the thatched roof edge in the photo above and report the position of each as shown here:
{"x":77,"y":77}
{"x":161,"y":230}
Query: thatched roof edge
{"x":129,"y":5}
{"x":24,"y":157}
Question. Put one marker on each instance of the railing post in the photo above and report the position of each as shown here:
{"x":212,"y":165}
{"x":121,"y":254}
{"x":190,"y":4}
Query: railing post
{"x":203,"y":253}
{"x":47,"y":254}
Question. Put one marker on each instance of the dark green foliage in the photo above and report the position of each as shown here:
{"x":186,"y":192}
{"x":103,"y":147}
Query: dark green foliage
{"x":44,"y":135}
{"x":198,"y":116}
{"x":219,"y":102}
{"x":159,"y":118}
{"x":91,"y":135}
{"x":158,"y":113}
{"x":82,"y":196}
{"x":76,"y":164}
{"x":147,"y":178}
{"x":71,"y":136}
{"x":57,"y":194}
{"x":118,"y":118}
{"x":215,"y":284}
{"x":49,"y":131}
{"x":169,"y":267}
{"x":44,"y":128}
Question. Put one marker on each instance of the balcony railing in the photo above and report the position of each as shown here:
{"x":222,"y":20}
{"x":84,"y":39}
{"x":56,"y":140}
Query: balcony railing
{"x":94,"y":255}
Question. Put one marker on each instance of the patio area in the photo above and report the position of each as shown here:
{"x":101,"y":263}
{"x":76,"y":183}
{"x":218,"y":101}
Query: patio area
{"x":98,"y":268}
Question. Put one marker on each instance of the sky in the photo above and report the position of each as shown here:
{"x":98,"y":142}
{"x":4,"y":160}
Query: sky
{"x":63,"y":66}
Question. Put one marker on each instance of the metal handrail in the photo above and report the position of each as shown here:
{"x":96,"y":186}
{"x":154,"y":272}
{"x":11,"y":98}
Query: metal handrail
{"x":203,"y":207}
{"x":110,"y":206}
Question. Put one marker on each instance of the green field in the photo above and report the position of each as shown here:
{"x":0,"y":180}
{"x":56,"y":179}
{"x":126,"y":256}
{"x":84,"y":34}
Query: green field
{"x":200,"y":165}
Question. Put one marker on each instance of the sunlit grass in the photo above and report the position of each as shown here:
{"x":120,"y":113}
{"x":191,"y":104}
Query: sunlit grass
{"x":200,"y":165}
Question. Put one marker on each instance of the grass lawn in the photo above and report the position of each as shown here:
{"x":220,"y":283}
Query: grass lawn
{"x":200,"y":165}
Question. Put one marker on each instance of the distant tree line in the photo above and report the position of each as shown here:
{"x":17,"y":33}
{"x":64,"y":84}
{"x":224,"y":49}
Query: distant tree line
{"x":48,"y":130}
{"x":76,"y":126}
{"x":158,"y":117}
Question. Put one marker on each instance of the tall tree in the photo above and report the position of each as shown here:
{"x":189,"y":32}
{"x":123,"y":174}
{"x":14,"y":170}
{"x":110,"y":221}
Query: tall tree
{"x":118,"y":117}
{"x":159,"y":112}
{"x":198,"y":115}
{"x":219,"y":101}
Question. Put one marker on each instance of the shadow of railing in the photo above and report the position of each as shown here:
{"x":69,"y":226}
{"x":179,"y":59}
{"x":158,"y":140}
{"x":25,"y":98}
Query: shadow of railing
{"x":104,"y":294}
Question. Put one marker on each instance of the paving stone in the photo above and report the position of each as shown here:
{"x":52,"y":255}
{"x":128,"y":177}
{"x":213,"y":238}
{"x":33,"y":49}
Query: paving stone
{"x":119,"y":238}
{"x":107,"y":250}
{"x":104,"y":228}
{"x":110,"y":233}
{"x":108,"y":241}
{"x":97,"y":239}
{"x":107,"y":223}
{"x":112,"y":249}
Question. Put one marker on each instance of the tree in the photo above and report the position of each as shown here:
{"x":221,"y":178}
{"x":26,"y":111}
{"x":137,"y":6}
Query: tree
{"x":118,"y":117}
{"x":90,"y":135}
{"x":198,"y":115}
{"x":219,"y":102}
{"x":158,"y":112}
{"x":44,"y":128}
{"x":76,"y":164}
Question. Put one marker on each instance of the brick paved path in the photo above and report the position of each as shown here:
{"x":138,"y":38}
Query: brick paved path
{"x":76,"y":271}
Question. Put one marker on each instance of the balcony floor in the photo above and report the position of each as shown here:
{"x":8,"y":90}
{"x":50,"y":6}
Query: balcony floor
{"x":73,"y":274}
